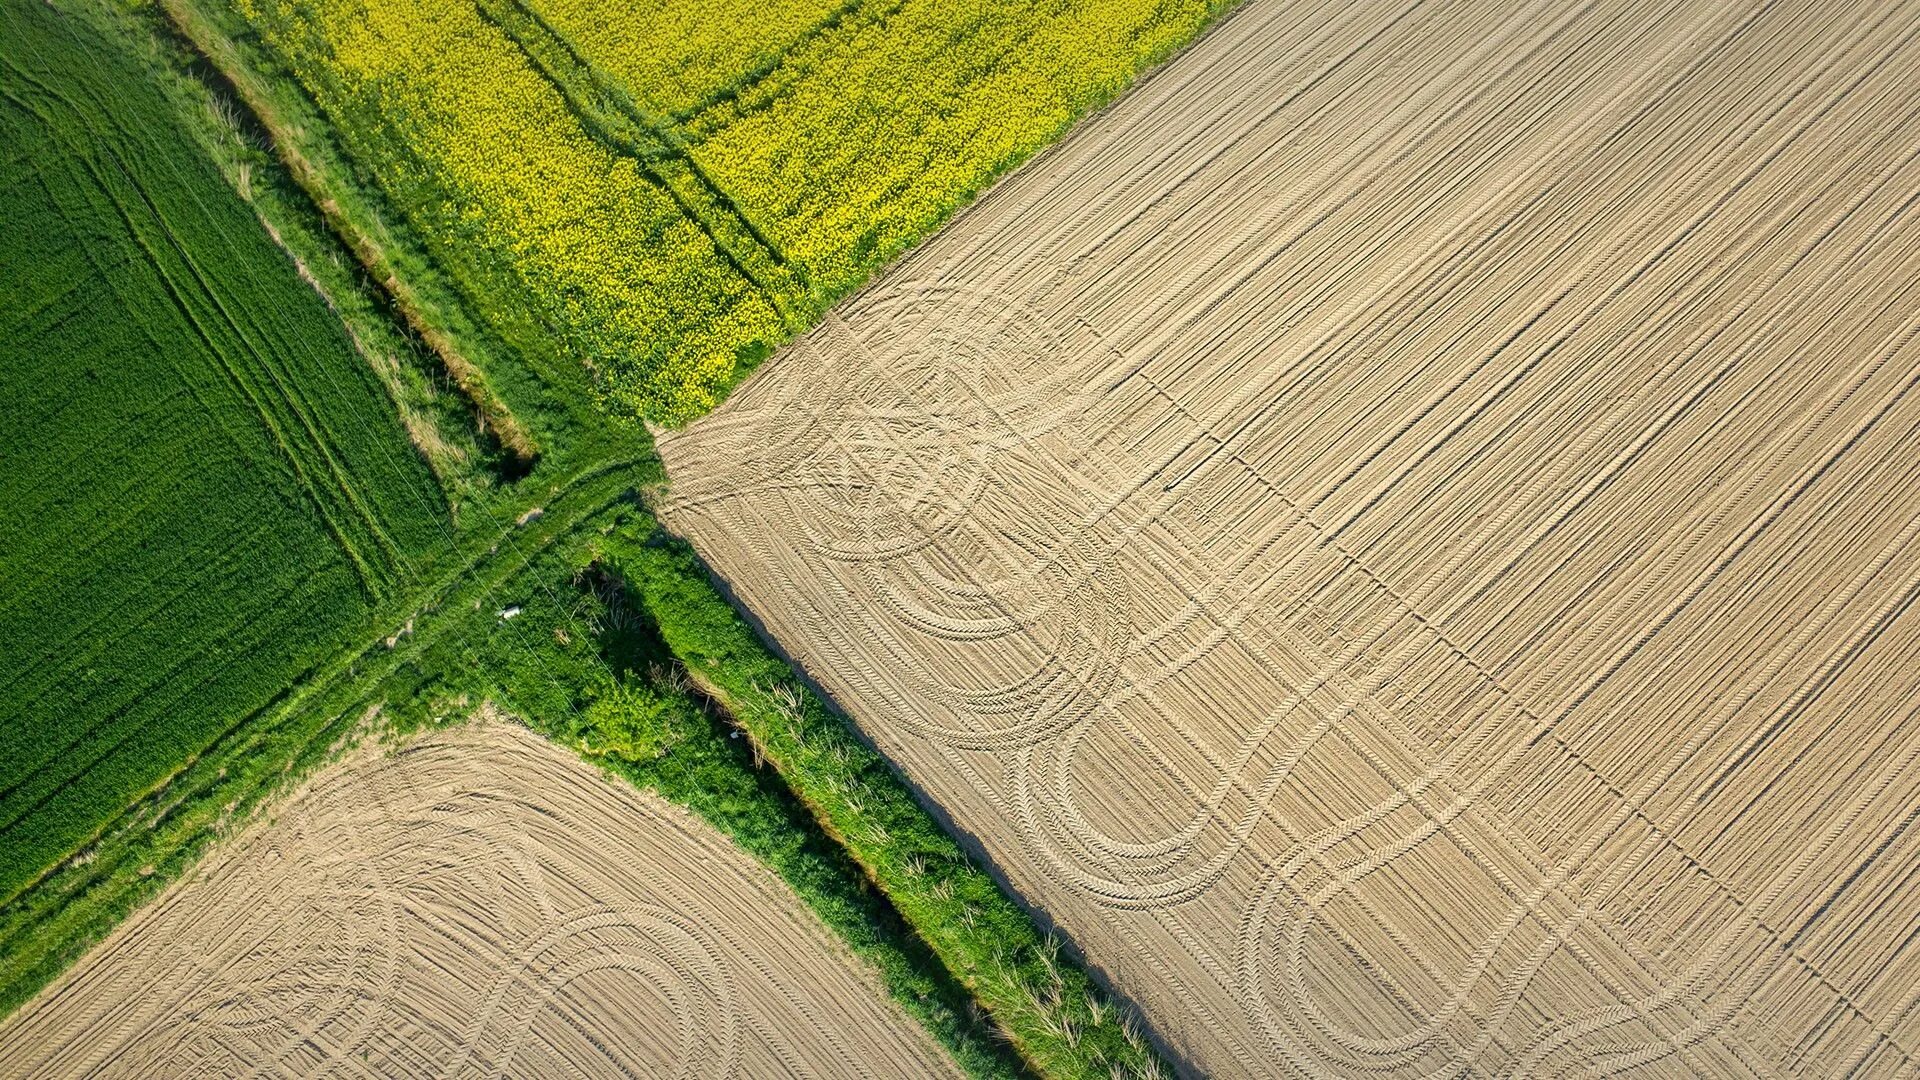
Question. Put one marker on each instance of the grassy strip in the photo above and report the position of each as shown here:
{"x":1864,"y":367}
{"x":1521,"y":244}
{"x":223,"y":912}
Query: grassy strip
{"x":580,"y":660}
{"x":715,"y":776}
{"x":444,"y":426}
{"x":1062,"y":1024}
{"x":163,"y":834}
{"x":432,"y":310}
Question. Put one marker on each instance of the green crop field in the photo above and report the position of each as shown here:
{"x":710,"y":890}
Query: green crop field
{"x":204,"y":491}
{"x":663,"y":196}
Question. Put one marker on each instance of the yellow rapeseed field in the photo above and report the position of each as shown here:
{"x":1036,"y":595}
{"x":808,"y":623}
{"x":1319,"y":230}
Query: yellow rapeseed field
{"x":482,"y":155}
{"x":835,"y":132}
{"x":675,"y":57}
{"x":880,"y":118}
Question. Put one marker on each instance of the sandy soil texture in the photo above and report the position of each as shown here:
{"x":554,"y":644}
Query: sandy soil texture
{"x":482,"y":904}
{"x":1401,"y":536}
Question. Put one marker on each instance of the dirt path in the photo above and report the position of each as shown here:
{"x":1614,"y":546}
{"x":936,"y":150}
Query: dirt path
{"x":1401,"y":536}
{"x":480,"y":904}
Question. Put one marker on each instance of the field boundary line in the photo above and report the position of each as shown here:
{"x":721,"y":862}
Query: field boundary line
{"x":495,"y":416}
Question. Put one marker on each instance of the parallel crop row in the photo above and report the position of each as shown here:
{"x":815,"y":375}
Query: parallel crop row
{"x":203,"y":488}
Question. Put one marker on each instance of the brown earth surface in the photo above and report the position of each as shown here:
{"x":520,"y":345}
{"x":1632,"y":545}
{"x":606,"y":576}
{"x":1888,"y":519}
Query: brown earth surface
{"x":1400,"y":536}
{"x":480,"y":904}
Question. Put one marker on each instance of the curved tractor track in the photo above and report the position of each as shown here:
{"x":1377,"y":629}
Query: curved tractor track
{"x":1401,"y":536}
{"x":479,"y":904}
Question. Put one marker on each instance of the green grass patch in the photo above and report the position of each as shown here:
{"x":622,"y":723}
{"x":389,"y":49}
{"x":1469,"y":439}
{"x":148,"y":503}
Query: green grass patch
{"x":1060,"y":1021}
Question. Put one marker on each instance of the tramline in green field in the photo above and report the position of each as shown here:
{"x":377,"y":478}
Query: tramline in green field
{"x":203,"y":489}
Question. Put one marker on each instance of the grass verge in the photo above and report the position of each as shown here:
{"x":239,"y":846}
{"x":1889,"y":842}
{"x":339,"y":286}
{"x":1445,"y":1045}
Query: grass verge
{"x":620,"y":646}
{"x":432,"y":305}
{"x":1059,"y":1020}
{"x":568,"y":649}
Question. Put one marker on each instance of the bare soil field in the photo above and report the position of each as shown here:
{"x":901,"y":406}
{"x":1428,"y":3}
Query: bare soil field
{"x":1400,"y":536}
{"x":481,"y":903}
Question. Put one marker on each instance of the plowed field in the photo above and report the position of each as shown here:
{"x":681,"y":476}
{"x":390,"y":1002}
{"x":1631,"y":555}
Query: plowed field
{"x":1400,"y":536}
{"x":480,"y":904}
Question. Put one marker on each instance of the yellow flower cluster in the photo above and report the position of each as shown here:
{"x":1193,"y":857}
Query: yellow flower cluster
{"x":517,"y":199}
{"x":879,"y":119}
{"x":674,"y":56}
{"x":840,"y":131}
